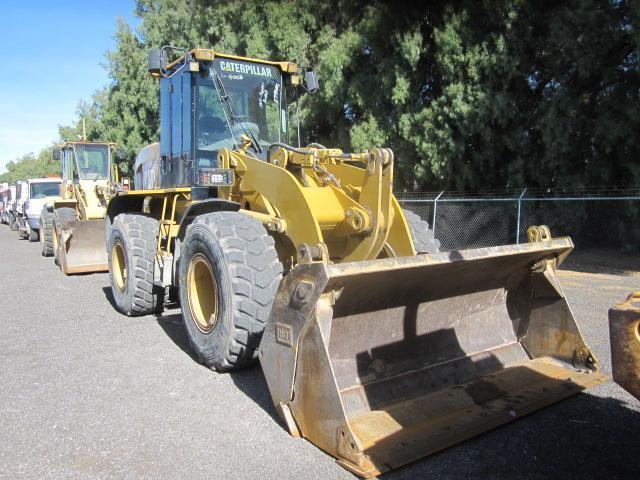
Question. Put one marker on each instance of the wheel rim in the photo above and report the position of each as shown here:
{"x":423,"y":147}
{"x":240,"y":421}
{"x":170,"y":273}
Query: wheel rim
{"x":202,"y":293}
{"x":119,"y":266}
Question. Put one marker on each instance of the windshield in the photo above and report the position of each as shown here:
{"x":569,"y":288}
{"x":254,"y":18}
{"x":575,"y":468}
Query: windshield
{"x":93,"y":161}
{"x":239,"y":98}
{"x":45,"y":189}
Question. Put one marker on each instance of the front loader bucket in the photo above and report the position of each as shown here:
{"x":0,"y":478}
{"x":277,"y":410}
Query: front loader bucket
{"x":382,"y":362}
{"x":82,"y":248}
{"x":624,"y":330}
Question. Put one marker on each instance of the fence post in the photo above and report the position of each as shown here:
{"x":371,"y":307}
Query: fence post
{"x":518,"y":221}
{"x":435,"y":205}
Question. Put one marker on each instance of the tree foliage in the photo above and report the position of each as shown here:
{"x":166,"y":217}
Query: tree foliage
{"x":31,"y":166}
{"x":470,"y":95}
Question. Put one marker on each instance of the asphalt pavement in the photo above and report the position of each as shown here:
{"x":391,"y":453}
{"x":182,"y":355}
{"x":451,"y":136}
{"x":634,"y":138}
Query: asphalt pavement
{"x":88,"y":393}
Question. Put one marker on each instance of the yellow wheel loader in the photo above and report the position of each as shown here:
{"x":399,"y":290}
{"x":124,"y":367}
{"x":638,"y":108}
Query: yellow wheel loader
{"x":624,"y":331}
{"x":73,"y":226}
{"x":375,"y":346}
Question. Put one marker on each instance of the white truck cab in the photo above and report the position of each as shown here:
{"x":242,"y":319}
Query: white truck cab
{"x":9,"y":205}
{"x":34,"y":194}
{"x":4,"y":191}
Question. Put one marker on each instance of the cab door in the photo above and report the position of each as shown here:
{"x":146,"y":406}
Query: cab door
{"x":175,"y":129}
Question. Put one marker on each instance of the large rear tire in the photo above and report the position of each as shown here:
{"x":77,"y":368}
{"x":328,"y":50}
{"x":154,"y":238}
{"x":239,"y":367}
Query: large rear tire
{"x":422,"y":236}
{"x":131,"y":250}
{"x":60,"y":215}
{"x":46,"y":233}
{"x":229,"y":273}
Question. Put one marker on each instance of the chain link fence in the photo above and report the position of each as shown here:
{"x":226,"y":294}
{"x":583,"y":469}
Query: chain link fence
{"x":593,"y":219}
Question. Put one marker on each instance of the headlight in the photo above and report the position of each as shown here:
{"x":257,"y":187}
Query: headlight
{"x":215,"y":177}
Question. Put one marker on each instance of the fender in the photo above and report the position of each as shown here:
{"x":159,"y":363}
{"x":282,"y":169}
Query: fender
{"x":207,"y":206}
{"x":122,"y":204}
{"x":194,"y":210}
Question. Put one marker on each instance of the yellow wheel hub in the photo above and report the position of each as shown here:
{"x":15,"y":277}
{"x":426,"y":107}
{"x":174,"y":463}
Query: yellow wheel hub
{"x":119,"y":265}
{"x":202,"y":292}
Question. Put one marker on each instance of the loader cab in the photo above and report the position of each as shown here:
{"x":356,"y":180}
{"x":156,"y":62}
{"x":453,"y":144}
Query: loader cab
{"x":210,"y":101}
{"x":86,"y":166}
{"x":235,"y":98}
{"x":85,"y":161}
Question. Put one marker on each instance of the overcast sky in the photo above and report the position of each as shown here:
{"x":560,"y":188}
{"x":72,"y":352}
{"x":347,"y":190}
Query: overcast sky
{"x":53,"y":54}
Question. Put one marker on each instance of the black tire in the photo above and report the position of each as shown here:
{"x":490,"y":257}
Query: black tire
{"x":135,"y":237}
{"x":46,"y":233}
{"x":243,"y":259}
{"x":34,"y":235}
{"x":62,"y":214}
{"x":422,"y":236}
{"x":22,"y":233}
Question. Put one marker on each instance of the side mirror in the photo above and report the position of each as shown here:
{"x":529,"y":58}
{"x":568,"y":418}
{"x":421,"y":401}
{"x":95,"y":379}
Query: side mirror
{"x":55,"y":153}
{"x":311,"y":81}
{"x":120,"y":153}
{"x":154,"y":64}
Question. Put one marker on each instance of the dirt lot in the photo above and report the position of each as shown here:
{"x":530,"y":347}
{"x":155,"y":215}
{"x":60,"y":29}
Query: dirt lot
{"x":88,"y":393}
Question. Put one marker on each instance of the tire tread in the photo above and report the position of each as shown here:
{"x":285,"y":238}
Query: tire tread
{"x":423,"y":238}
{"x":255,"y":271}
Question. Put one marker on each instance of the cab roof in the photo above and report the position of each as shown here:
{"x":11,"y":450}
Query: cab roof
{"x":207,"y":55}
{"x":83,"y":142}
{"x":44,"y":180}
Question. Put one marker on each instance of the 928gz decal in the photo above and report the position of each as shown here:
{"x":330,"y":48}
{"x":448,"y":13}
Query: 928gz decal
{"x":248,"y":69}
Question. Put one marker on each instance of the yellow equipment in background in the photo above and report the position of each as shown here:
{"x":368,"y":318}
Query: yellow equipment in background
{"x":375,"y":354}
{"x":74,"y":225}
{"x":624,"y":331}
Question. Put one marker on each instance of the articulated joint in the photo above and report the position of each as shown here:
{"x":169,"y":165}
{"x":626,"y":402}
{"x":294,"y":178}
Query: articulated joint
{"x":312,"y":253}
{"x":384,"y":156}
{"x":358,"y":219}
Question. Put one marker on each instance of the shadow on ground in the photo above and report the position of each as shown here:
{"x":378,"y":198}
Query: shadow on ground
{"x":108,"y":294}
{"x":606,"y":261}
{"x":171,"y":324}
{"x":583,"y":437}
{"x":249,"y":380}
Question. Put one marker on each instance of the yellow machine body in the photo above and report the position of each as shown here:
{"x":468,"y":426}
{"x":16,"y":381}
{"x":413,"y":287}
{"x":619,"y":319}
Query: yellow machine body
{"x":375,"y":354}
{"x":79,"y":243}
{"x":624,"y":331}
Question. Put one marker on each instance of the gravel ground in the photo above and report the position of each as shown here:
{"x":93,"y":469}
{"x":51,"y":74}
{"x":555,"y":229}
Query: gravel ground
{"x":88,"y":393}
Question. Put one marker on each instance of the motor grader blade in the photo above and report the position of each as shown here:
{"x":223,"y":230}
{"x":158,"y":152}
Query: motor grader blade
{"x":82,"y":248}
{"x":624,"y":330}
{"x":382,"y":362}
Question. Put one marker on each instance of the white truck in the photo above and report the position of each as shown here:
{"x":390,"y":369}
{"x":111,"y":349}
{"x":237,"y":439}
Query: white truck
{"x":9,"y":199}
{"x":4,"y":188}
{"x":18,"y":204}
{"x":34,"y":194}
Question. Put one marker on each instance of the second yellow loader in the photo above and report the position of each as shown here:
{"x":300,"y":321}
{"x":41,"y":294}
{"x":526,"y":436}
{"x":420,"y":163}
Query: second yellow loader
{"x":73,"y":226}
